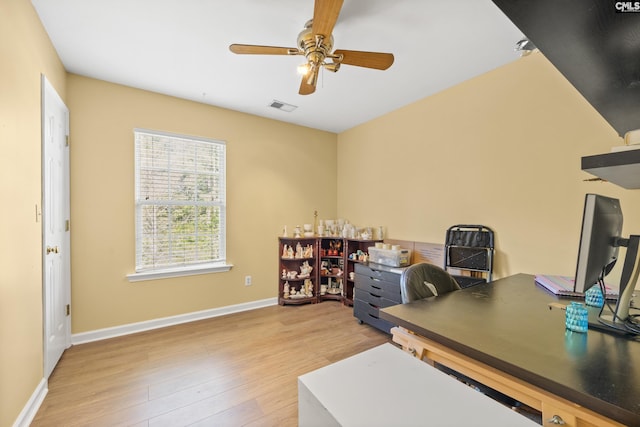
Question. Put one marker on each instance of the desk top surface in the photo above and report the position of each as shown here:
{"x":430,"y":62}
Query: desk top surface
{"x":507,"y":324}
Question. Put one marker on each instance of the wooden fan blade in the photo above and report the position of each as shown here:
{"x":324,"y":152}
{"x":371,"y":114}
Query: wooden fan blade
{"x":308,"y":84}
{"x":325,"y":15}
{"x":377,"y":60}
{"x":250,"y":49}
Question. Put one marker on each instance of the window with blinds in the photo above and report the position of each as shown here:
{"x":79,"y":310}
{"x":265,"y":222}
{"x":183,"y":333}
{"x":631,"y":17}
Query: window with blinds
{"x":180,"y":200}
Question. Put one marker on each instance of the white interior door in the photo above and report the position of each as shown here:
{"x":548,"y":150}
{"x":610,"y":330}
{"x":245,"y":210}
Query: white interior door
{"x":55,"y":226}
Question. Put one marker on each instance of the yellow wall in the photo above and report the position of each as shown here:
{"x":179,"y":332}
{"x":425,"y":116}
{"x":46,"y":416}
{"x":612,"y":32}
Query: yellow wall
{"x":25,"y":54}
{"x":277,"y":174}
{"x":502,"y":150}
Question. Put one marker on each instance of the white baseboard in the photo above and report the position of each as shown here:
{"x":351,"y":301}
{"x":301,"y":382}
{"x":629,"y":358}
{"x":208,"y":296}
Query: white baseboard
{"x":132,"y":328}
{"x":30,"y":410}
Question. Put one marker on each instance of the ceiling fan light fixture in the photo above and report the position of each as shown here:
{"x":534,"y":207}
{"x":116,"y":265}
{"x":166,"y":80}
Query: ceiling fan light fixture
{"x":315,"y":43}
{"x":303,"y":69}
{"x":332,"y":66}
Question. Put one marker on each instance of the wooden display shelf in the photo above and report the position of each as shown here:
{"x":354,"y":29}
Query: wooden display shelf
{"x":330,"y":297}
{"x":294,"y":263}
{"x":297,"y":301}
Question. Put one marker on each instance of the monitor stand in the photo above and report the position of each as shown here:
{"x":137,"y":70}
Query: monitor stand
{"x":619,"y":320}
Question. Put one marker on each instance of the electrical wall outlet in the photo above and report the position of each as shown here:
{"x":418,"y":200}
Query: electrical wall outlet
{"x":247,"y":280}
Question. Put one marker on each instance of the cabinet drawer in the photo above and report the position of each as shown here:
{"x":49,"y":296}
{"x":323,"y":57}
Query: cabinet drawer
{"x":374,"y":299}
{"x":384,"y":289}
{"x":385,"y":276}
{"x":369,"y":314}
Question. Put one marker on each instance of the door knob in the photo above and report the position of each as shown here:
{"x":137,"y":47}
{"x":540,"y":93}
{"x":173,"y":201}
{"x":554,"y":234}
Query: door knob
{"x":52,"y":250}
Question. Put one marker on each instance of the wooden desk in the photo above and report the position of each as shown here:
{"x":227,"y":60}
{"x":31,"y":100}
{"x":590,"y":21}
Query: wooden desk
{"x":504,"y":335}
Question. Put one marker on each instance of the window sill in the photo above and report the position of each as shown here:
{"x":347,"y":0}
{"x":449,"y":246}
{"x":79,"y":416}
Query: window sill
{"x":179,"y":272}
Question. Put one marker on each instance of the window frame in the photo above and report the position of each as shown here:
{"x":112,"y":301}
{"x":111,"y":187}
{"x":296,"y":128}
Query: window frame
{"x":177,"y":270}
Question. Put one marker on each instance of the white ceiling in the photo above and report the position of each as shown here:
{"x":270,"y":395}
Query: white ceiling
{"x":180,"y":48}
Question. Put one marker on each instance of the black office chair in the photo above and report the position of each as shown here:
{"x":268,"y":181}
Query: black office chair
{"x":425,"y":280}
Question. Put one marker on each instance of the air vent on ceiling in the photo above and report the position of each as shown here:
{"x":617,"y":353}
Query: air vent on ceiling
{"x":279,"y":105}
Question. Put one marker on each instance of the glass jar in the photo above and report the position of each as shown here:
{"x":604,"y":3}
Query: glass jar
{"x":577,"y":317}
{"x":593,"y":297}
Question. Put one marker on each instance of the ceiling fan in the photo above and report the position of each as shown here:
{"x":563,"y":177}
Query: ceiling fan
{"x":315,"y":42}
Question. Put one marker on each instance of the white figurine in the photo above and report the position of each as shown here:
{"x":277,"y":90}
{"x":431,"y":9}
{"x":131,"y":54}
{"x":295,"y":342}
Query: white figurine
{"x":299,"y":253}
{"x":285,"y":290}
{"x":308,"y":286}
{"x":305,"y":269}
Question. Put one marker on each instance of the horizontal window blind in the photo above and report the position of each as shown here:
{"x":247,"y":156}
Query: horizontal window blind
{"x":180,"y":200}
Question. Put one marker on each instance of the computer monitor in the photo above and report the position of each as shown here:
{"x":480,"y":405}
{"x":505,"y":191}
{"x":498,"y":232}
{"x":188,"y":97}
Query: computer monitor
{"x":599,"y":240}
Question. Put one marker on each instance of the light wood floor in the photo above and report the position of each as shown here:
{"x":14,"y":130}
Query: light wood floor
{"x":235,"y":370}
